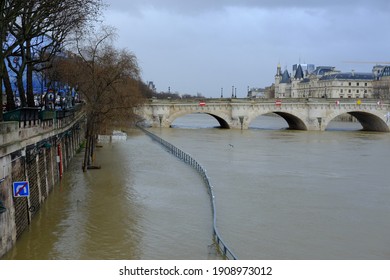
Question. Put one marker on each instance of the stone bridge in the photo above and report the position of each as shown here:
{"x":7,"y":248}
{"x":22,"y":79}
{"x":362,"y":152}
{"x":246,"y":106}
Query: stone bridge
{"x":300,"y":114}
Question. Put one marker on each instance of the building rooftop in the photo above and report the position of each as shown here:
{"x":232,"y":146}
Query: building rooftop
{"x":285,"y":77}
{"x":348,"y":76}
{"x":322,"y":70}
{"x":299,"y":73}
{"x":386,"y":71}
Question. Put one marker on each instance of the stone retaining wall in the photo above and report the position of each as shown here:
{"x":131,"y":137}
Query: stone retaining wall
{"x":39,"y":158}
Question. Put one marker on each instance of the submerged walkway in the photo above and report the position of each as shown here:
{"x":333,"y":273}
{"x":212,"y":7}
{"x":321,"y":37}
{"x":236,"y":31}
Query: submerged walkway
{"x":227,"y":253}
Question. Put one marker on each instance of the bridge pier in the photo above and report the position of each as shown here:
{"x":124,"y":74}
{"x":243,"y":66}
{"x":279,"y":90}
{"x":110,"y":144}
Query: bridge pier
{"x":240,"y":122}
{"x":316,"y":124}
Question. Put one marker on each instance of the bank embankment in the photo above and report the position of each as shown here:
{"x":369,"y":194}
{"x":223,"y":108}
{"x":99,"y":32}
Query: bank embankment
{"x":36,"y":154}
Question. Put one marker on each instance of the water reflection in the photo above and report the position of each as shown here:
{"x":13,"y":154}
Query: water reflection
{"x":204,"y":121}
{"x":269,"y":122}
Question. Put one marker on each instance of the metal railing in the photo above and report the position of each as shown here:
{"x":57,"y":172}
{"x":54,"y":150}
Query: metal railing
{"x":221,"y":245}
{"x":31,"y":117}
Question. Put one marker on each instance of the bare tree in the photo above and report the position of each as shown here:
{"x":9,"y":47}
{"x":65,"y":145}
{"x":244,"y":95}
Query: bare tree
{"x":38,"y":31}
{"x":107,"y":79}
{"x":9,"y":11}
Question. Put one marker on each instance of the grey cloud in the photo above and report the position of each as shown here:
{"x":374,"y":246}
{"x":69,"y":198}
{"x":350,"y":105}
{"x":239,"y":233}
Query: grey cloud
{"x":199,"y":6}
{"x":201,"y":46}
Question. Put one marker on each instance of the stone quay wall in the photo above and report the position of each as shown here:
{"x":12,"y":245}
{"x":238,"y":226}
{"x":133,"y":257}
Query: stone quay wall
{"x":38,"y":154}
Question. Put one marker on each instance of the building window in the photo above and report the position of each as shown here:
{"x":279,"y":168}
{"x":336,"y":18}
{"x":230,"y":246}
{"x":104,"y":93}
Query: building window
{"x":357,"y":91}
{"x":365,"y":84}
{"x":349,"y":83}
{"x":357,"y":84}
{"x":349,"y":91}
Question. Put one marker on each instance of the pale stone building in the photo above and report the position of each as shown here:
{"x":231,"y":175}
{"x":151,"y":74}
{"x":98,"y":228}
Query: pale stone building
{"x":381,"y":84}
{"x":323,"y":82}
{"x":282,"y":83}
{"x":256,"y":93}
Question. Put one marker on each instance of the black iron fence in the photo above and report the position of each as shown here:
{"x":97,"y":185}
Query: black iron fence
{"x":224,"y":249}
{"x":28,"y":116}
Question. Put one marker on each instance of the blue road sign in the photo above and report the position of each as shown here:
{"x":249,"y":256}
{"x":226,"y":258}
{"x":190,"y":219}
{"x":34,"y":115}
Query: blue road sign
{"x":21,"y":189}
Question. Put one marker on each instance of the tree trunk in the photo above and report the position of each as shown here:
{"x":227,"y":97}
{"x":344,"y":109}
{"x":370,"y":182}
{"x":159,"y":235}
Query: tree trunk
{"x":2,"y":65}
{"x":21,"y":90}
{"x":91,"y":158}
{"x":29,"y":76}
{"x":1,"y":86}
{"x":88,"y":146}
{"x":8,"y":90}
{"x":86,"y":152}
{"x":1,"y":94}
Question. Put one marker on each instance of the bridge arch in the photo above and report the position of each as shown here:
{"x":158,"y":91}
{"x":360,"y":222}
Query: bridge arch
{"x":369,"y":121}
{"x":221,"y":119}
{"x":294,"y":122}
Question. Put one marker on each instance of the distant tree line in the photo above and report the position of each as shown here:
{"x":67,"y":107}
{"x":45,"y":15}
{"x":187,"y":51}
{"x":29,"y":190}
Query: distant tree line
{"x":148,"y":93}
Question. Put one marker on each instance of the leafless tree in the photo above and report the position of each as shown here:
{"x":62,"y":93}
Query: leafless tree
{"x":107,"y":79}
{"x":36,"y":31}
{"x":9,"y":11}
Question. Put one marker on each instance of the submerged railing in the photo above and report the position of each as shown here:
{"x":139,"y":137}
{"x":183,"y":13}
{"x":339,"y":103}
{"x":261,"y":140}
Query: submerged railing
{"x":192,"y":162}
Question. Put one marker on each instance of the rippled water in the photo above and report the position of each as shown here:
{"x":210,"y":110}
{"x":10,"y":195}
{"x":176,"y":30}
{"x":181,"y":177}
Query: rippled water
{"x":280,"y":194}
{"x":297,"y":194}
{"x":142,"y":204}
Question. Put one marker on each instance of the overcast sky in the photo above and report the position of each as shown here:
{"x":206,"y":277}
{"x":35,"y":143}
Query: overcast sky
{"x":201,"y":46}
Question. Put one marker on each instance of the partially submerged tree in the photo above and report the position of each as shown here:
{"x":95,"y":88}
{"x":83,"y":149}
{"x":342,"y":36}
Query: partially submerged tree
{"x":107,"y":79}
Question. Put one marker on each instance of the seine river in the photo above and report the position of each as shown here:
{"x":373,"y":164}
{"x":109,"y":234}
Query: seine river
{"x":280,"y":194}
